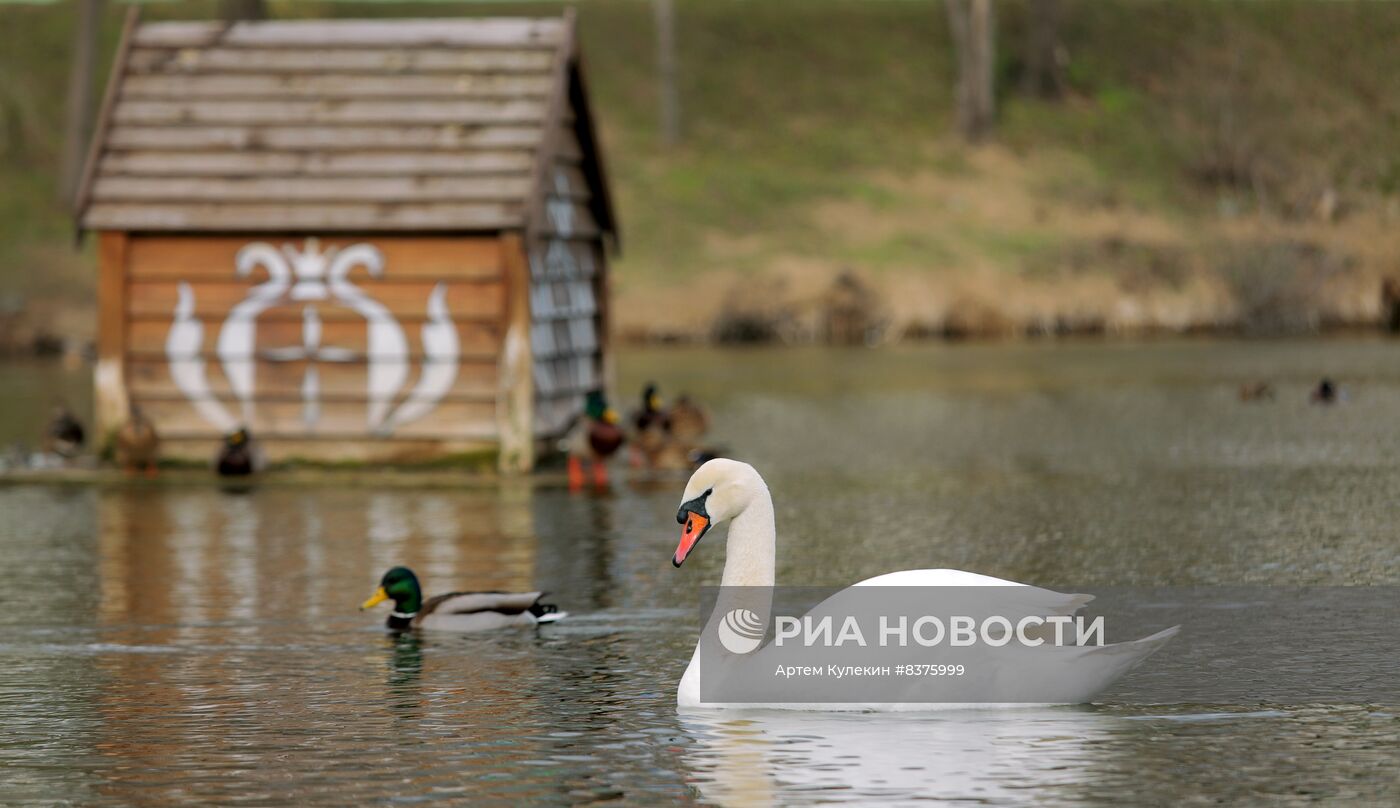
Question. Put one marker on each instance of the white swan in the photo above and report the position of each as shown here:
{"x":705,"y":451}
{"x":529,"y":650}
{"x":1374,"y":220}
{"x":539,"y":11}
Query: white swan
{"x":727,"y":490}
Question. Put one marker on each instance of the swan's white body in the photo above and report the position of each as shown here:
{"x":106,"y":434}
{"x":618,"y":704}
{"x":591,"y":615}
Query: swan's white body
{"x":735,"y":492}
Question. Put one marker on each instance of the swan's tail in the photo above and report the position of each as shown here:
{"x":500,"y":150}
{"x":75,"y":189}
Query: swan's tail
{"x":1106,"y":664}
{"x":1142,"y":648}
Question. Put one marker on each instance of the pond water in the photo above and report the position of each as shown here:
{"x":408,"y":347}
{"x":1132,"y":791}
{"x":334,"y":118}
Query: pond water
{"x":192,"y":645}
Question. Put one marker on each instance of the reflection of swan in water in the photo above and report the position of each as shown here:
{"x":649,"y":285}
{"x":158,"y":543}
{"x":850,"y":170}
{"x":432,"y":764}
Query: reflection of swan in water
{"x":975,"y":756}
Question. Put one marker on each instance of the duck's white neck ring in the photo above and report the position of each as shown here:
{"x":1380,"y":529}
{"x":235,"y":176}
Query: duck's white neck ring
{"x":402,"y":615}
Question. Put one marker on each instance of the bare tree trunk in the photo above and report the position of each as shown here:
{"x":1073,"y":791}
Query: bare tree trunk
{"x":80,"y":96}
{"x":974,"y":45}
{"x":234,"y":10}
{"x":669,"y":101}
{"x":1044,"y":77}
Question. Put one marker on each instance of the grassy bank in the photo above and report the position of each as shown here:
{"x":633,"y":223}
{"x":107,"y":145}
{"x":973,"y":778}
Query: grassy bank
{"x":1213,"y":165}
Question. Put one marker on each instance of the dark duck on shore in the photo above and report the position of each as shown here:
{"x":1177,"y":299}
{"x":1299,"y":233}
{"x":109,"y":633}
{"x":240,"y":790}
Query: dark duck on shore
{"x":594,"y":437}
{"x":457,"y":611}
{"x":64,"y":436}
{"x":1326,"y":392}
{"x":238,"y":457}
{"x":138,"y":445}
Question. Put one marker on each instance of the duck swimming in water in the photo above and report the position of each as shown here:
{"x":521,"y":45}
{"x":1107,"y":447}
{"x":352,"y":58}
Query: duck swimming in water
{"x":457,"y":611}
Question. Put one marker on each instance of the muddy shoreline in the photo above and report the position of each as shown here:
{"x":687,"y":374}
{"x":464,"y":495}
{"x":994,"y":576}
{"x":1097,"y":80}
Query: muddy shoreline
{"x":767,"y":332}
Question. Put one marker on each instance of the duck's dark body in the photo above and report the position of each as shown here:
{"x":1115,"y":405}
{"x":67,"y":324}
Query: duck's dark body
{"x":235,"y":462}
{"x":65,"y":433}
{"x":238,"y":456}
{"x":1325,"y":392}
{"x":604,"y":438}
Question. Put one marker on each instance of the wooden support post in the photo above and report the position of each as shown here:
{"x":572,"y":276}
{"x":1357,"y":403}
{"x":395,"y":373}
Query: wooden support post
{"x":515,"y":401}
{"x":109,"y":378}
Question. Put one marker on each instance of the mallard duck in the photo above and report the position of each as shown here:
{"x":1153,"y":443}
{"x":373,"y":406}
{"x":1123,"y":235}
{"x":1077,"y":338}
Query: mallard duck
{"x":138,"y":445}
{"x":650,"y":430}
{"x":457,"y":611}
{"x":594,"y":437}
{"x":238,"y":457}
{"x":65,"y":435}
{"x":669,"y":439}
{"x":651,"y":414}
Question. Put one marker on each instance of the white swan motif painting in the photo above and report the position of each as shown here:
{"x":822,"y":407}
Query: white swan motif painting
{"x":310,"y":278}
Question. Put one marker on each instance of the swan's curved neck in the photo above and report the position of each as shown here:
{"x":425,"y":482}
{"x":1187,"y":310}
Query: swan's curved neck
{"x":749,"y":554}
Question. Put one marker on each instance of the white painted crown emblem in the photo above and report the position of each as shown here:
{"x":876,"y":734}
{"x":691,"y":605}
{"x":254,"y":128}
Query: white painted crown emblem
{"x":308,"y":277}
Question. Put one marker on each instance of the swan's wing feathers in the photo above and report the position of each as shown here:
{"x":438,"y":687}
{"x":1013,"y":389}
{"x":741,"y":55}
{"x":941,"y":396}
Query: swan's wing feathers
{"x":471,"y":602}
{"x":1018,"y":599}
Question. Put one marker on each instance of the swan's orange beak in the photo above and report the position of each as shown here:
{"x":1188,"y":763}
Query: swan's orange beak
{"x":694,"y":529}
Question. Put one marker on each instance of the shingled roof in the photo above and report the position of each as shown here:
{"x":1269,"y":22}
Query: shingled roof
{"x":384,"y":125}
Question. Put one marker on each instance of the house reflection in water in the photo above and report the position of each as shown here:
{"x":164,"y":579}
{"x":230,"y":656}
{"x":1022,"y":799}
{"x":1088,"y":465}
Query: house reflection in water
{"x":186,"y":557}
{"x":234,"y":633}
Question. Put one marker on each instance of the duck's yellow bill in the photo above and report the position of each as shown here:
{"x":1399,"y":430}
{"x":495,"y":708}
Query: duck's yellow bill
{"x":377,"y":598}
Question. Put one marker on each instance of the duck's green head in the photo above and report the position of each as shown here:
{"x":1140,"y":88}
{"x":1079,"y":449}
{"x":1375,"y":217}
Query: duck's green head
{"x":596,"y":405}
{"x":401,"y":586}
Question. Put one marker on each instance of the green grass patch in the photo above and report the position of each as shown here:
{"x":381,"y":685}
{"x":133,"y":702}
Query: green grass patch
{"x":787,"y":104}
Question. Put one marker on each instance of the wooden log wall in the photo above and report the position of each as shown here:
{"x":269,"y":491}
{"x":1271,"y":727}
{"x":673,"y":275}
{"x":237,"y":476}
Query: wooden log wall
{"x":315,"y":378}
{"x":566,"y":273}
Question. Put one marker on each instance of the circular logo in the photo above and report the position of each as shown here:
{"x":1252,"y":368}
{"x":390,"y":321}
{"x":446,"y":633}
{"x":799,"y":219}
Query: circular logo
{"x":741,"y":631}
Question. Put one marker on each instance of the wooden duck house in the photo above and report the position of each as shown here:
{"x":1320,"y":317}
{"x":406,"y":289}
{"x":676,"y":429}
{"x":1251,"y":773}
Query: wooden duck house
{"x":374,"y":241}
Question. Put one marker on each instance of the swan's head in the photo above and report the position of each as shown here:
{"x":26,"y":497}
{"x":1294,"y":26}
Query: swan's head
{"x":719,"y":490}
